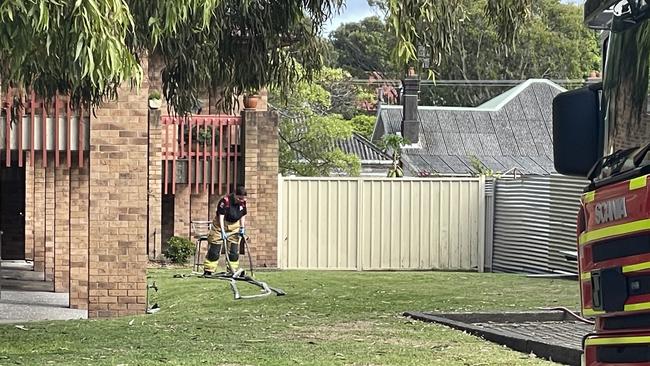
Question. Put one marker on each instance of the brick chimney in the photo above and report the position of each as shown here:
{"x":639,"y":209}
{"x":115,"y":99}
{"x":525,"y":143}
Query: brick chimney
{"x":410,"y":122}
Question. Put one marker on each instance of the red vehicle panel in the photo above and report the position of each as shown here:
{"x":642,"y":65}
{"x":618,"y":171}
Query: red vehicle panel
{"x":617,"y":350}
{"x":614,"y":249}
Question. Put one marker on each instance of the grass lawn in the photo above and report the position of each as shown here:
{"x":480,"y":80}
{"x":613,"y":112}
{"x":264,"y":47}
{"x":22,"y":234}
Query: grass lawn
{"x":327,"y":318}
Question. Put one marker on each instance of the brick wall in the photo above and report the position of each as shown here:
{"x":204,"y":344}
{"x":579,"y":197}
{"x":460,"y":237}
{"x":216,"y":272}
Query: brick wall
{"x":155,"y":231}
{"x":155,"y":188}
{"x":29,"y":211}
{"x":199,"y":206}
{"x":88,"y":226}
{"x":262,"y":104}
{"x":261,"y":179}
{"x":47,"y":205}
{"x":182,"y":210}
{"x":39,"y":216}
{"x":79,"y":235}
{"x":50,"y":204}
{"x":62,"y":230}
{"x":154,"y":70}
{"x":118,"y":205}
{"x":212,"y":205}
{"x":188,"y":207}
{"x":56,"y":225}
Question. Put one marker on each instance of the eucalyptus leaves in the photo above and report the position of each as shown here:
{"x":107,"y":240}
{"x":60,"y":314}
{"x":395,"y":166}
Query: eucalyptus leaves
{"x":88,"y":48}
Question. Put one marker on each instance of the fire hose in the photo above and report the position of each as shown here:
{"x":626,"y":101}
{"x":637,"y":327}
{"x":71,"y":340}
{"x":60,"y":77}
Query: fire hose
{"x":234,"y":276}
{"x":240,"y":275}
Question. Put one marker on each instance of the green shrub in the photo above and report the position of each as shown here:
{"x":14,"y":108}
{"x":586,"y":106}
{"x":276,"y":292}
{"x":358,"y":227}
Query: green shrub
{"x":179,"y":249}
{"x":154,"y":94}
{"x":201,"y":134}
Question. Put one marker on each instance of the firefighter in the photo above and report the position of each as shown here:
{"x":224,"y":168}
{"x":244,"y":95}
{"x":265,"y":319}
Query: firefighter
{"x":228,"y":224}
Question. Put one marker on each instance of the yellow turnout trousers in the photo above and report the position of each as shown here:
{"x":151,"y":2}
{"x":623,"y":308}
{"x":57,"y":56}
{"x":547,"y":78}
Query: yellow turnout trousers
{"x":215,"y":242}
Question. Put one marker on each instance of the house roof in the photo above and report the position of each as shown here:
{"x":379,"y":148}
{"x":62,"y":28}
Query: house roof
{"x":365,"y":150}
{"x":513,"y":130}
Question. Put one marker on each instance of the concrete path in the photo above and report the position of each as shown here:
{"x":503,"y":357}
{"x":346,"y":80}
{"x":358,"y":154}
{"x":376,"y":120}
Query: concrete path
{"x":26,"y":297}
{"x":19,"y":276}
{"x":17,"y":307}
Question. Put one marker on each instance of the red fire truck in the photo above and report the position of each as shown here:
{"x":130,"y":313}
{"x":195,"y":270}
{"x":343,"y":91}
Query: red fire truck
{"x":602,"y":132}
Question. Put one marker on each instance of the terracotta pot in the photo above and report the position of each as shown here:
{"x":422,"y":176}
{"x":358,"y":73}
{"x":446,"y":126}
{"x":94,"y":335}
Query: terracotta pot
{"x":250,"y":101}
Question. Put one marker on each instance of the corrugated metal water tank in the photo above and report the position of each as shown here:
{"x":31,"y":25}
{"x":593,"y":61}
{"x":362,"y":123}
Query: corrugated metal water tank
{"x":535,"y":224}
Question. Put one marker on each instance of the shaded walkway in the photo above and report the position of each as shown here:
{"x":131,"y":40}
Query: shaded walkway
{"x":25,"y":296}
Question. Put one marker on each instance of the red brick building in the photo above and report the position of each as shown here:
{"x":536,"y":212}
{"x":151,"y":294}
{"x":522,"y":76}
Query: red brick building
{"x":91,"y":198}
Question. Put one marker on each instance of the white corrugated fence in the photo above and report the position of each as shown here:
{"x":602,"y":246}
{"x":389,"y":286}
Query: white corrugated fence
{"x":381,"y":223}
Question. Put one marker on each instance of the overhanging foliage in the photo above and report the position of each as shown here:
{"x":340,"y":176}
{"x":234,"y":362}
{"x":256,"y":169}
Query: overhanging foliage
{"x":432,"y":24}
{"x":87,"y":48}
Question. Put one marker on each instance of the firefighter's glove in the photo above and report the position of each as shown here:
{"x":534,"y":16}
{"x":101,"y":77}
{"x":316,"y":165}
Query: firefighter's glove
{"x":242,"y":231}
{"x":223,"y":235}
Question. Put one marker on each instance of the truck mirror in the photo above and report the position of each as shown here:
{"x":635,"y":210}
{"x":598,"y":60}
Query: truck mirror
{"x":577,"y":131}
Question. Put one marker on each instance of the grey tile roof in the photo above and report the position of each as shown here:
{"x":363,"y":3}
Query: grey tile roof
{"x":365,"y":150}
{"x":513,"y":130}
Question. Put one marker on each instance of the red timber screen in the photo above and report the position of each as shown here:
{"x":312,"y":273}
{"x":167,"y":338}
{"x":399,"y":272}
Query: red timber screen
{"x":31,"y":125}
{"x":209,"y":145}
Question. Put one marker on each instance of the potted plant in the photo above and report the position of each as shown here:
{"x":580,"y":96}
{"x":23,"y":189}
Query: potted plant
{"x":201,"y":135}
{"x":250,"y":99}
{"x":155,"y":100}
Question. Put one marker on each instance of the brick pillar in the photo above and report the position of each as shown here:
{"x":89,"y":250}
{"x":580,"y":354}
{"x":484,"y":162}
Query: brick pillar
{"x":39,"y":215}
{"x":62,"y":230}
{"x":182,"y":210}
{"x":50,"y":204}
{"x":155,"y":188}
{"x":156,"y":65}
{"x":79,"y":193}
{"x":263,"y":102}
{"x":29,"y":210}
{"x":118,"y":204}
{"x":261,"y":179}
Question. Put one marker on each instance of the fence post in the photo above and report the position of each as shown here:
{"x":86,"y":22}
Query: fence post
{"x":481,"y":224}
{"x":489,"y":224}
{"x":359,"y":239}
{"x":281,"y":234}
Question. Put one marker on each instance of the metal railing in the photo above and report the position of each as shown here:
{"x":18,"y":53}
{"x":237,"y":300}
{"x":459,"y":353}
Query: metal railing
{"x":39,"y":127}
{"x":206,"y":148}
